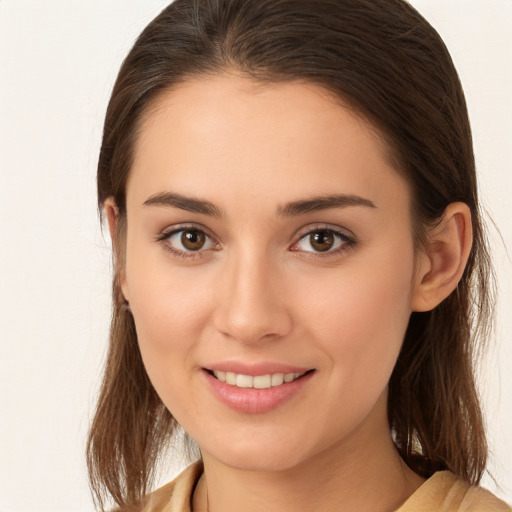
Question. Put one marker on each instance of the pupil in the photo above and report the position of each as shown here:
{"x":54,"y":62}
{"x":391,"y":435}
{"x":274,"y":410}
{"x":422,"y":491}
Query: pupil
{"x":192,"y":240}
{"x":322,"y":241}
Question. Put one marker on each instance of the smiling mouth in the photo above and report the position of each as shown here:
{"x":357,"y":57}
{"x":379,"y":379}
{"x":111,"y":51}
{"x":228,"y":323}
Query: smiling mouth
{"x":266,"y":381}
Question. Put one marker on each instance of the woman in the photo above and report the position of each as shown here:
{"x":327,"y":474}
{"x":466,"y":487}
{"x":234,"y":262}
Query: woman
{"x":301,"y":274}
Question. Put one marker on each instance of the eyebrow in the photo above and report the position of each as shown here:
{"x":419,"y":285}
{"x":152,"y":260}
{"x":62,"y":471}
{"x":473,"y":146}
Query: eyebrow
{"x":320,"y":203}
{"x":183,"y":203}
{"x":294,"y":208}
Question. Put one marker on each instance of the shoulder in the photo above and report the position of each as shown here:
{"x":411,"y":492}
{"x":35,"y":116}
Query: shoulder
{"x":445,"y":492}
{"x":177,"y":494}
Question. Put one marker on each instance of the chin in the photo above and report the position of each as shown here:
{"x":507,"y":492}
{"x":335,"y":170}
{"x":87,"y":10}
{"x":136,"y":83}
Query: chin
{"x":264,"y":455}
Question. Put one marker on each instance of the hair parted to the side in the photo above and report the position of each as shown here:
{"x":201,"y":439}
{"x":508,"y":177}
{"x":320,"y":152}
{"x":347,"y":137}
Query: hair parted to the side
{"x":385,"y":61}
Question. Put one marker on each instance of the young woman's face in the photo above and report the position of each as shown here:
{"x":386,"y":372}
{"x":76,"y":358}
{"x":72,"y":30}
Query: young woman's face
{"x":269,"y":244}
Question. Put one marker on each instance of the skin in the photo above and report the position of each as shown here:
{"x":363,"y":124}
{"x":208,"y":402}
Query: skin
{"x":258,"y":291}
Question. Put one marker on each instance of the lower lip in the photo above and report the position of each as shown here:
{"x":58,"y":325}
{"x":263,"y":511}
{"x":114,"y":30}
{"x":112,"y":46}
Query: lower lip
{"x":255,"y":401}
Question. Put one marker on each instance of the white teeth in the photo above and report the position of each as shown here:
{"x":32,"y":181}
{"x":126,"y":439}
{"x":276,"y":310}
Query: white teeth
{"x":277,"y":379}
{"x":262,"y":381}
{"x":244,"y":381}
{"x":258,"y":382}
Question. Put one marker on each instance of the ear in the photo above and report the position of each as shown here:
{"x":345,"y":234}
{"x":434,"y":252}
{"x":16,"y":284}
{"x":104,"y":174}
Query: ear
{"x":111,"y":212}
{"x":441,"y":266}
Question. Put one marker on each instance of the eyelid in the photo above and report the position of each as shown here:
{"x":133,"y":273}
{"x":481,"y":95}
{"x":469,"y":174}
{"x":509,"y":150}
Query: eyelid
{"x":312,"y":228}
{"x":348,"y":237}
{"x":169,"y":231}
{"x":175,"y":228}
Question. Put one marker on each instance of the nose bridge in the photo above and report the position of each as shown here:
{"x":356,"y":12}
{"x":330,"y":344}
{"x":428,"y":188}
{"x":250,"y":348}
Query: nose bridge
{"x":253,"y":304}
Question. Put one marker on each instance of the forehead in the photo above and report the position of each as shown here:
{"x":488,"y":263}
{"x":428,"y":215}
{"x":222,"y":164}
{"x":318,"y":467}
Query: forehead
{"x":278,"y":139}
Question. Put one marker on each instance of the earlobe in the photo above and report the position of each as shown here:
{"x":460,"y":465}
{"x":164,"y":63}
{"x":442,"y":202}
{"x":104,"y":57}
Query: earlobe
{"x":442,"y":265}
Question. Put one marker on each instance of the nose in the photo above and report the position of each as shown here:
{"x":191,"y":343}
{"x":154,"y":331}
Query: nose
{"x":252,"y":302}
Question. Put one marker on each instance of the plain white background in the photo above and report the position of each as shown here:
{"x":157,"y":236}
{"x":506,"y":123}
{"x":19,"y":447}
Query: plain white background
{"x":58,"y":62}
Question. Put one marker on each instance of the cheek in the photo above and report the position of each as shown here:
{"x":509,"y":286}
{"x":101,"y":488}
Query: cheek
{"x":168,"y":329}
{"x":166,"y":315}
{"x":170,"y":308}
{"x":359,"y":318}
{"x":163,"y":297}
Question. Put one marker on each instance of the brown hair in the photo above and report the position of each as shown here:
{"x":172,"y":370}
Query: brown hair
{"x":382,"y":58}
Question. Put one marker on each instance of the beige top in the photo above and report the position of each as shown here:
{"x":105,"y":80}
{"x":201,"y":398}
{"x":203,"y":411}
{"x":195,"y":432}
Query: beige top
{"x":442,"y":492}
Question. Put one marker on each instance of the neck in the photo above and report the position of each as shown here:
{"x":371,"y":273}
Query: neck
{"x":359,"y":476}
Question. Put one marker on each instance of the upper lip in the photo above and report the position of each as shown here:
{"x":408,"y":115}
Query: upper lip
{"x":254,"y":369}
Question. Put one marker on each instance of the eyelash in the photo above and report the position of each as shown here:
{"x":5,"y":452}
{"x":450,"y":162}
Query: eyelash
{"x":166,"y":236}
{"x":347,"y":242}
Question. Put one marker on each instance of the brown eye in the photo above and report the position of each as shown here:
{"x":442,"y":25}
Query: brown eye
{"x":187,"y":242}
{"x":193,"y":240}
{"x":322,"y":241}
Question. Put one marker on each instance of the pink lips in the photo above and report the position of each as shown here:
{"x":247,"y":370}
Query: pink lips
{"x":254,"y":401}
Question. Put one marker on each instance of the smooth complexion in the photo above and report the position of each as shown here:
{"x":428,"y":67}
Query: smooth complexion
{"x":268,"y":233}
